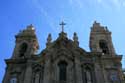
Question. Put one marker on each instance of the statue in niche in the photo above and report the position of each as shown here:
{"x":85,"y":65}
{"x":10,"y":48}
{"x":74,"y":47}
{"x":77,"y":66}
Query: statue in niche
{"x":88,"y":77}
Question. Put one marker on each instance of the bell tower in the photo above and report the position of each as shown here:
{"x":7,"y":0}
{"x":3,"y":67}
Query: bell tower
{"x":101,"y":40}
{"x":26,"y":43}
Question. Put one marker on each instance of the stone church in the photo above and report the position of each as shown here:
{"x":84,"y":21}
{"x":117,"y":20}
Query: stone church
{"x":63,"y":60}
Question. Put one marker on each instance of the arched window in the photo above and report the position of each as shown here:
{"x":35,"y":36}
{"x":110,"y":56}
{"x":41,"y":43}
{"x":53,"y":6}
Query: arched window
{"x":23,"y":49}
{"x":62,"y":71}
{"x":13,"y":80}
{"x":87,"y":75}
{"x":104,"y":46}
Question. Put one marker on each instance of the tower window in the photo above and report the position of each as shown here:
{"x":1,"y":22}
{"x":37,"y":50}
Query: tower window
{"x":23,"y":49}
{"x":104,"y":46}
{"x":13,"y":80}
{"x":62,"y":71}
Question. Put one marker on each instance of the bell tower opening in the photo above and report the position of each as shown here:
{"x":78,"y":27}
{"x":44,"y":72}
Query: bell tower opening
{"x":104,"y":46}
{"x":23,"y":49}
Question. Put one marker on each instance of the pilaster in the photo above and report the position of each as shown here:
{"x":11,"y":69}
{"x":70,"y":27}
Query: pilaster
{"x":28,"y":73}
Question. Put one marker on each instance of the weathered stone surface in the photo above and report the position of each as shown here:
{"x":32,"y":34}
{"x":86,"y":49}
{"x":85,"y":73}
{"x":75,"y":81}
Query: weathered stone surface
{"x":96,"y":66}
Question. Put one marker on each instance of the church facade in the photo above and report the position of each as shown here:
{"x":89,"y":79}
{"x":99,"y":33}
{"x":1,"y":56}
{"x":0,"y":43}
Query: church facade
{"x":63,"y":60}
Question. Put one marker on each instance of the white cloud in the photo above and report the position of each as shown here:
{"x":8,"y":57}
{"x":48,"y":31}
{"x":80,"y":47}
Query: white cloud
{"x":71,"y":2}
{"x":36,"y":4}
{"x":99,"y":1}
{"x":114,"y":4}
{"x":77,"y":3}
{"x":123,"y":4}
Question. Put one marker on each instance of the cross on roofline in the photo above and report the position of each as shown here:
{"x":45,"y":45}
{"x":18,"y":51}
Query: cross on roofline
{"x":62,"y":24}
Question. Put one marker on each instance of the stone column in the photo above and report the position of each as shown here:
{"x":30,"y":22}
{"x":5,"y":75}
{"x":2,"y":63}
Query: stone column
{"x":28,"y":73}
{"x":70,"y":73}
{"x":98,"y":74}
{"x":105,"y":76}
{"x":47,"y":75}
{"x":78,"y":71}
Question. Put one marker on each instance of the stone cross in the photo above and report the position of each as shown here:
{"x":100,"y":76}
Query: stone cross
{"x":62,"y":24}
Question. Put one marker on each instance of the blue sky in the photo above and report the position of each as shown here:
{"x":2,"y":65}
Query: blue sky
{"x":46,"y":15}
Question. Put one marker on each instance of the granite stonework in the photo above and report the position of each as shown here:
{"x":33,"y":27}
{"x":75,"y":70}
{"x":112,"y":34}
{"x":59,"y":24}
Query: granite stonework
{"x":63,"y":61}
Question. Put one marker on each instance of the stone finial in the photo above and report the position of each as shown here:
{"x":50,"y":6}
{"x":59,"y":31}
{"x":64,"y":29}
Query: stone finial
{"x":49,"y":38}
{"x":30,"y":27}
{"x":75,"y":38}
{"x":29,"y":31}
{"x":96,"y":24}
{"x":106,"y":28}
